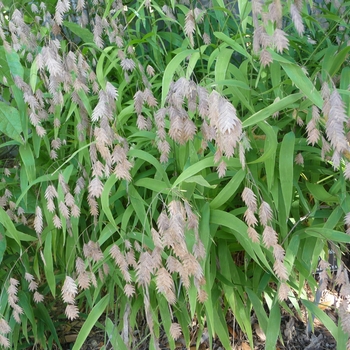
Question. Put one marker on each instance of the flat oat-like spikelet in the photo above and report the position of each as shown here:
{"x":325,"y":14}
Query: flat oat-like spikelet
{"x":250,"y":218}
{"x":72,"y":312}
{"x":249,"y":199}
{"x":121,"y":262}
{"x":64,"y":210}
{"x":299,"y":159}
{"x":175,"y":331}
{"x":192,"y":266}
{"x":38,"y":220}
{"x":101,"y":108}
{"x":265,"y":213}
{"x":253,"y":235}
{"x":84,"y":280}
{"x":278,"y":252}
{"x":97,"y":31}
{"x":297,"y":20}
{"x":190,"y":26}
{"x":265,"y":58}
{"x":144,"y":269}
{"x":173,"y":265}
{"x":221,"y":169}
{"x":335,"y":123}
{"x":4,"y":327}
{"x":129,"y":290}
{"x":69,"y":290}
{"x":280,"y":40}
{"x":95,"y":187}
{"x":165,"y":285}
{"x":269,"y":237}
{"x":138,"y":101}
{"x":283,"y":291}
{"x":189,"y":130}
{"x":280,"y":270}
{"x":4,"y":342}
{"x":57,"y":222}
{"x":313,"y":133}
{"x":227,"y":120}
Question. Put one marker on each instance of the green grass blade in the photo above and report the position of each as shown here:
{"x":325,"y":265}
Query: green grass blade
{"x":237,"y":47}
{"x":113,"y":335}
{"x":11,"y":230}
{"x":321,"y":194}
{"x":270,"y":143}
{"x":229,"y":190}
{"x":222,"y":62}
{"x":286,"y":164}
{"x":299,"y":79}
{"x":10,"y":122}
{"x":322,"y":316}
{"x":170,"y":71}
{"x":105,"y":199}
{"x":48,"y":266}
{"x":258,"y":308}
{"x":199,"y":166}
{"x":91,"y":320}
{"x":286,"y":102}
{"x":273,"y":327}
{"x":152,"y":160}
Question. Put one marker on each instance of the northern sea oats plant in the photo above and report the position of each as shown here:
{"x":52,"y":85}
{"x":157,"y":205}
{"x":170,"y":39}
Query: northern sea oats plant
{"x":171,"y":161}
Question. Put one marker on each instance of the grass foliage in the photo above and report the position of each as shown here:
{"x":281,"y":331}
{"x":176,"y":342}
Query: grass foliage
{"x":170,"y":161}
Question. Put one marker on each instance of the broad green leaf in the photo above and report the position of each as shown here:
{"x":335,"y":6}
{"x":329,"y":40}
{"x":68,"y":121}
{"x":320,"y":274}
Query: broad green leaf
{"x":266,"y":112}
{"x":139,"y":206}
{"x":83,"y":33}
{"x":28,"y":160}
{"x":199,"y":166}
{"x":258,"y":308}
{"x":10,"y":122}
{"x":170,"y":71}
{"x":89,"y":323}
{"x":14,"y":63}
{"x":48,"y":266}
{"x":270,"y":143}
{"x":222,"y":218}
{"x":200,"y":180}
{"x":40,"y":179}
{"x":229,"y":190}
{"x":114,"y":337}
{"x":236,"y":46}
{"x":33,"y":75}
{"x":326,"y":233}
{"x":153,"y":184}
{"x":273,"y":327}
{"x":106,"y":207}
{"x":320,"y":193}
{"x":299,"y":79}
{"x":152,"y":160}
{"x":221,"y":329}
{"x":233,"y":291}
{"x":193,"y":60}
{"x":11,"y":230}
{"x":2,"y":246}
{"x":222,"y":62}
{"x":286,"y":164}
{"x":338,"y":60}
{"x":235,"y":83}
{"x":322,"y":316}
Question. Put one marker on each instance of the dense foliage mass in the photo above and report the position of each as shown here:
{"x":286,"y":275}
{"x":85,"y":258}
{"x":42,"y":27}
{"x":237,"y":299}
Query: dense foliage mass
{"x":171,"y":160}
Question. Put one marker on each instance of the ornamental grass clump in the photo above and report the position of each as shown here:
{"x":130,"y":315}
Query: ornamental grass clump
{"x":163,"y":164}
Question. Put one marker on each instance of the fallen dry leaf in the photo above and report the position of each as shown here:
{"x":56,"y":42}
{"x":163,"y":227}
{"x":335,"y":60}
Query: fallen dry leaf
{"x":259,"y":332}
{"x":245,"y":346}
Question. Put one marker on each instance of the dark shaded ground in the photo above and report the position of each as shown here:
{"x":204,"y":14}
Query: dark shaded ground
{"x":293,"y":332}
